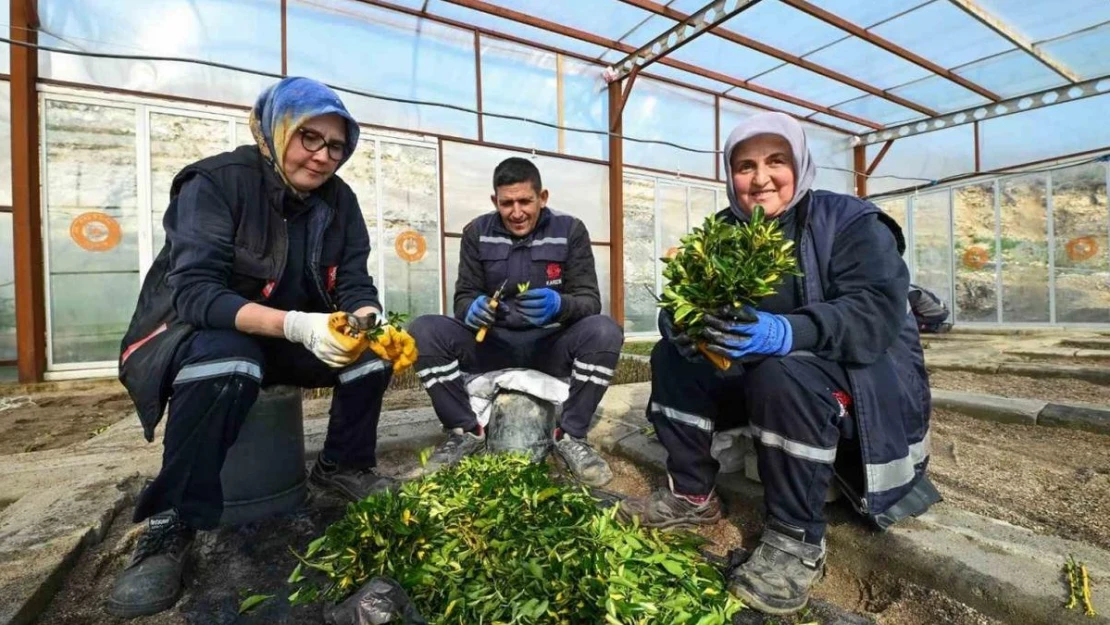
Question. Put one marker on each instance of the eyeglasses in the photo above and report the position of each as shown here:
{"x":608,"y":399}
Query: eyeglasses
{"x":314,"y":142}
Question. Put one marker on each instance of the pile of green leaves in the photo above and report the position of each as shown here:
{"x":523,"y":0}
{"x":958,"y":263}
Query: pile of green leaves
{"x":496,"y":540}
{"x":721,"y":265}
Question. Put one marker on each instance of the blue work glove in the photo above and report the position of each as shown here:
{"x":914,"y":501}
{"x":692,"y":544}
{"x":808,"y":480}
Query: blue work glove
{"x":754,"y":333}
{"x":685,"y":345}
{"x":539,"y":307}
{"x":480,"y":313}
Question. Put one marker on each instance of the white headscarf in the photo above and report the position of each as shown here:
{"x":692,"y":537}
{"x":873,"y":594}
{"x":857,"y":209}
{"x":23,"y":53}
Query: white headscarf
{"x":786,"y":127}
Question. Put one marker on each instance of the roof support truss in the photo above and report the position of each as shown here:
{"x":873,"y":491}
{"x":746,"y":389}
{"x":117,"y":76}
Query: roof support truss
{"x":680,"y":34}
{"x":1040,"y":99}
{"x":998,"y":26}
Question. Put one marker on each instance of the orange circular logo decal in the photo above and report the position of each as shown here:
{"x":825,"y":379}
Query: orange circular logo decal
{"x":411,"y":246}
{"x":976,"y":258}
{"x":1082,"y":248}
{"x":95,"y":232}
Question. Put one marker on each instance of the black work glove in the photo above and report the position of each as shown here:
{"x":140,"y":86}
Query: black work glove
{"x":682,"y":341}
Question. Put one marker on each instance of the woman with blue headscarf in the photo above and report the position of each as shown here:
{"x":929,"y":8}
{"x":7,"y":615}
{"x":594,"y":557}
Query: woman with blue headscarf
{"x":263,"y":244}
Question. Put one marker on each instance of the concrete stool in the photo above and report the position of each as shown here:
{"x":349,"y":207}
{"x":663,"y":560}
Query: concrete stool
{"x":264,"y":473}
{"x":520,"y":422}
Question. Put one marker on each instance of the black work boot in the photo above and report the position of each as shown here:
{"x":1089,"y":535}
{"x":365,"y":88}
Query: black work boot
{"x":151,"y":582}
{"x":663,"y":509}
{"x":781,"y":571}
{"x":459,"y":444}
{"x":582,"y":460}
{"x":350,"y":484}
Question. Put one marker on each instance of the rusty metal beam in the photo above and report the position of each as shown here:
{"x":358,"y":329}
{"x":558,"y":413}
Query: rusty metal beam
{"x":889,"y":46}
{"x":737,"y":38}
{"x":597,"y":40}
{"x":990,"y":21}
{"x":616,"y":206}
{"x":685,"y":31}
{"x":614,"y":120}
{"x":1009,"y":106}
{"x":879,"y":157}
{"x":478,"y":82}
{"x":30,"y":292}
{"x":859,"y":165}
{"x":284,"y":38}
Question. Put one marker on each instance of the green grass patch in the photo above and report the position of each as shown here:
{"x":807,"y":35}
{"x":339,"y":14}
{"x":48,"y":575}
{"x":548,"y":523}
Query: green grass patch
{"x":640,"y":348}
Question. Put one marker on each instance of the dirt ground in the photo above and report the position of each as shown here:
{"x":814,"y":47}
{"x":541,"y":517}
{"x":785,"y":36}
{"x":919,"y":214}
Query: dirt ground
{"x":1004,"y":385}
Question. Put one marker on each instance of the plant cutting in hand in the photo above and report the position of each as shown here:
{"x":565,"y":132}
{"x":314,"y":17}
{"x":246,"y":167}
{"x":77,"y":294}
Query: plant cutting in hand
{"x":496,"y":539}
{"x":385,"y":336}
{"x":720,"y":268}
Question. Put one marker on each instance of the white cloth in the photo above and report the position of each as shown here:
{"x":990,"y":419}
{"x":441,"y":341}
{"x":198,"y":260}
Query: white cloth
{"x":484,"y":388}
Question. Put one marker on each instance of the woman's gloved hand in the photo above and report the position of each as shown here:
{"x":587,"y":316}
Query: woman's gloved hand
{"x":480,"y":313}
{"x":395,"y":345}
{"x":324,"y":336}
{"x":539,"y":307}
{"x":685,"y":345}
{"x":748,"y":332}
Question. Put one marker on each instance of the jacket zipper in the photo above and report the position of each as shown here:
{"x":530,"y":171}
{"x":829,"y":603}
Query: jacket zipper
{"x":314,"y":259}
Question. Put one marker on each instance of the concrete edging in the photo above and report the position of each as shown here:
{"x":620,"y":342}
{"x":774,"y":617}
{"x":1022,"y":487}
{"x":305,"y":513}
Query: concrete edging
{"x":1076,"y":416}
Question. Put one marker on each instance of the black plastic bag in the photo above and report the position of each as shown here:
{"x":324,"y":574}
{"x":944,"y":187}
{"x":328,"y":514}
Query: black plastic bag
{"x":380,"y":600}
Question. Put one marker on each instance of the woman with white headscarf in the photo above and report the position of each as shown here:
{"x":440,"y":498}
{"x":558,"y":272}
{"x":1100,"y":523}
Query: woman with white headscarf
{"x":828,"y":380}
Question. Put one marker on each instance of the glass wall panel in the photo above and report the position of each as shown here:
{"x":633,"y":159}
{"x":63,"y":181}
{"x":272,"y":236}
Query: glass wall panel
{"x":703,"y":203}
{"x":452,"y":248}
{"x":384,"y":52}
{"x":896,"y":208}
{"x":931,"y":243}
{"x":664,"y":112}
{"x":533,"y":94}
{"x":576,"y":188}
{"x":1082,"y":244}
{"x":601,"y":265}
{"x":360,"y":172}
{"x":92,"y":228}
{"x":585,"y":105}
{"x":918,"y":159}
{"x":833,"y":157}
{"x":177,"y":141}
{"x":243,"y":134}
{"x":5,"y":143}
{"x":7,"y":289}
{"x":975,"y":253}
{"x":243,"y":33}
{"x":1024,"y":249}
{"x":5,"y":59}
{"x":639,"y":255}
{"x":672,"y":216}
{"x":410,"y":214}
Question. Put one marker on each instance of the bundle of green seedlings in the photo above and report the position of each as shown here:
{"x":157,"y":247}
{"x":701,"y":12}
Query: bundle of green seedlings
{"x":496,"y":539}
{"x":720,"y":267}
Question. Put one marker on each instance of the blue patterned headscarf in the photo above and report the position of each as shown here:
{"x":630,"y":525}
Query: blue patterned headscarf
{"x":283,"y":107}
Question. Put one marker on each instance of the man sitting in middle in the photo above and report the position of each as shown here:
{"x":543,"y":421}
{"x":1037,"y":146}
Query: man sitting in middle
{"x":556,"y":326}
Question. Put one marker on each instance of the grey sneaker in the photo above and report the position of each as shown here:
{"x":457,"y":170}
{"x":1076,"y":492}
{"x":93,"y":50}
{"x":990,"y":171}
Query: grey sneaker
{"x":583,"y":461}
{"x":663,"y":509}
{"x":350,"y":484}
{"x":459,"y":444}
{"x":151,"y":582}
{"x":780,"y":573}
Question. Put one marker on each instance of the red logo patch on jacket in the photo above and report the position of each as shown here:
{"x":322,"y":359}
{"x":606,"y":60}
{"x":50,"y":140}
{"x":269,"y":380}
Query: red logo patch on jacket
{"x":332,"y":272}
{"x":554,"y":271}
{"x":845,"y":401}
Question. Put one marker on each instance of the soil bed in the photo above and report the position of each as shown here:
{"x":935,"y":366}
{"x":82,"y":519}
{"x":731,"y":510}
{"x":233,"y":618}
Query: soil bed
{"x":1006,"y":385}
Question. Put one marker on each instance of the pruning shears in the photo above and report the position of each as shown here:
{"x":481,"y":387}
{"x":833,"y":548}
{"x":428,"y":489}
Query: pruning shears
{"x":496,"y":299}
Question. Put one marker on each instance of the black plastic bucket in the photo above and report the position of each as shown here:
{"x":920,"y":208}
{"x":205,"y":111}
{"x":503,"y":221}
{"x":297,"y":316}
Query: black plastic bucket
{"x":264,"y":473}
{"x":520,"y":422}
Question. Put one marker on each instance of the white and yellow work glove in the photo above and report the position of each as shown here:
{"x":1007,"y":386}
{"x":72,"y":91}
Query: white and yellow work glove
{"x":324,"y":337}
{"x":396,"y":346}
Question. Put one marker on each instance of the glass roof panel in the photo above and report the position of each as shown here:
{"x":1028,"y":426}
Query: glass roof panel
{"x":802,"y":83}
{"x":666,"y":71}
{"x":1052,"y":131}
{"x":878,"y":110}
{"x":769,"y":102}
{"x":943,"y":34}
{"x":1011,"y":74}
{"x":865,"y":13}
{"x":645,"y":32}
{"x":781,"y":26}
{"x":509,"y":27}
{"x":929,"y":156}
{"x":868,"y":63}
{"x":607,"y":19}
{"x":1045,"y":19}
{"x":1086,"y":54}
{"x":939,"y":94}
{"x":721,"y":55}
{"x":839,"y":123}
